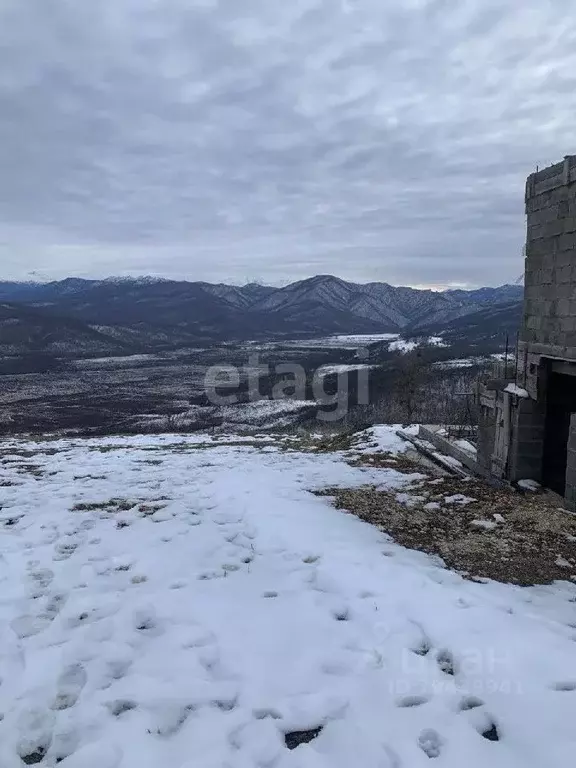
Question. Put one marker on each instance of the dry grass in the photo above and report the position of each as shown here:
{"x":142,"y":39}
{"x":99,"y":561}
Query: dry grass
{"x":112,"y":505}
{"x":535,"y":544}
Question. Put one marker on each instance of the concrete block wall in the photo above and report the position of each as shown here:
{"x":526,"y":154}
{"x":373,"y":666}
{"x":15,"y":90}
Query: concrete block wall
{"x":570,"y":492}
{"x":486,"y":430}
{"x":549,"y":325}
{"x":528,"y":424}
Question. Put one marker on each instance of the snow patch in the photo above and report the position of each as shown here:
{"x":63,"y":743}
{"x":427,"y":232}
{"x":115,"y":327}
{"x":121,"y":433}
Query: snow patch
{"x":529,"y":485}
{"x":514,"y":389}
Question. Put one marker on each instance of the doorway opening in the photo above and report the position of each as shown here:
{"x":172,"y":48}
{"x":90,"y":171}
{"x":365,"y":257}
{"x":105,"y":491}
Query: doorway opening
{"x":560,"y":405}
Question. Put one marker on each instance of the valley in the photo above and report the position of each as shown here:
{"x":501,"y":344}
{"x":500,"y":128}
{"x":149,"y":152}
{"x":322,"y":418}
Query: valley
{"x":126,"y":356}
{"x":279,"y":385}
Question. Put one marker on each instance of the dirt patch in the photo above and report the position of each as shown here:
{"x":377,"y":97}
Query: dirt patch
{"x":149,"y":509}
{"x":480,"y":531}
{"x":112,"y":505}
{"x":397,"y":461}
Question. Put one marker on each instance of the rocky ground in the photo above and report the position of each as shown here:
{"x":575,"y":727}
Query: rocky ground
{"x":479,"y":530}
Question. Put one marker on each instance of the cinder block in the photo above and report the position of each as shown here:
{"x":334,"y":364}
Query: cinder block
{"x":571,"y":463}
{"x":566,"y":242}
{"x":570,"y":497}
{"x":565,"y":291}
{"x":548,"y":293}
{"x":563,"y":309}
{"x":570,"y":345}
{"x":552,"y":229}
{"x":538,"y":248}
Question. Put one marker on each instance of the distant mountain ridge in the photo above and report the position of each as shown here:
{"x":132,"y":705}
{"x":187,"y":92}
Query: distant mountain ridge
{"x":150,"y":313}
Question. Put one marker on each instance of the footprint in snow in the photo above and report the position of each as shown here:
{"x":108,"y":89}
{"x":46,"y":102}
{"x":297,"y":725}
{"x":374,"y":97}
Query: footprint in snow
{"x":97,"y":754}
{"x":490,"y":731}
{"x":69,"y":686}
{"x":470,"y":702}
{"x":35,"y":726}
{"x":115,"y":669}
{"x":208,"y":575}
{"x":412,"y":701}
{"x":566,"y":685}
{"x":64,"y":743}
{"x":446,"y":662}
{"x":53,"y":607}
{"x":423,"y":648}
{"x":170,"y":719}
{"x":42,"y":577}
{"x":28,"y":626}
{"x":64,"y":550}
{"x":430,"y":742}
{"x":146,"y":622}
{"x":119,"y":707}
{"x":295,"y":738}
{"x":199,"y":638}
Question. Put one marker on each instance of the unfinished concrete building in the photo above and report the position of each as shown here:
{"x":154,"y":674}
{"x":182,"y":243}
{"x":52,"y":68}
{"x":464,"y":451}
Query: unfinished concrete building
{"x":528,"y":422}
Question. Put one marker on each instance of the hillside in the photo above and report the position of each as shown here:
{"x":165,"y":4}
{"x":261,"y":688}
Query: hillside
{"x":76,"y":316}
{"x":484,"y":325}
{"x":24,"y":330}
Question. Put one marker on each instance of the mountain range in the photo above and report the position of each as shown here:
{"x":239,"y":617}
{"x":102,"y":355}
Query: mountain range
{"x":122,"y":315}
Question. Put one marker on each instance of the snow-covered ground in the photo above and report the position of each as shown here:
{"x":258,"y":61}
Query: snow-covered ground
{"x":325,"y":370}
{"x":464,"y":362}
{"x":187,"y":602}
{"x":405,"y":345}
{"x":340,"y":341}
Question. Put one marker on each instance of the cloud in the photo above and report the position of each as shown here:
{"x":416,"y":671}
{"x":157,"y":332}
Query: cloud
{"x":224,"y":140}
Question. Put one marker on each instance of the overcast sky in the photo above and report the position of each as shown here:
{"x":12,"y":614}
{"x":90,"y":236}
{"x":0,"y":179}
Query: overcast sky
{"x":271,"y":140}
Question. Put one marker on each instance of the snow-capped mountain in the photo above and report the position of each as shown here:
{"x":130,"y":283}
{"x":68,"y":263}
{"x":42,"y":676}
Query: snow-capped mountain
{"x":394,"y":307}
{"x":178,"y":312}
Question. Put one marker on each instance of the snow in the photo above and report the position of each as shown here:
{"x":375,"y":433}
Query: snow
{"x":401,"y":345}
{"x":380,"y":439}
{"x":488,"y":525}
{"x":445,"y":459}
{"x":458,"y":498}
{"x":327,"y":369}
{"x":529,"y":485}
{"x":464,"y":362}
{"x":263,"y":409}
{"x":404,"y":345}
{"x":466,"y":446}
{"x":514,"y":389}
{"x":186,"y":601}
{"x":437,"y":341}
{"x":117,"y":360}
{"x":341,"y":341}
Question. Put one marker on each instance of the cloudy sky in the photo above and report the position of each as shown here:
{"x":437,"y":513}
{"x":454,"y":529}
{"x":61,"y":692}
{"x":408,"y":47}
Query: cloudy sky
{"x":267,"y":140}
